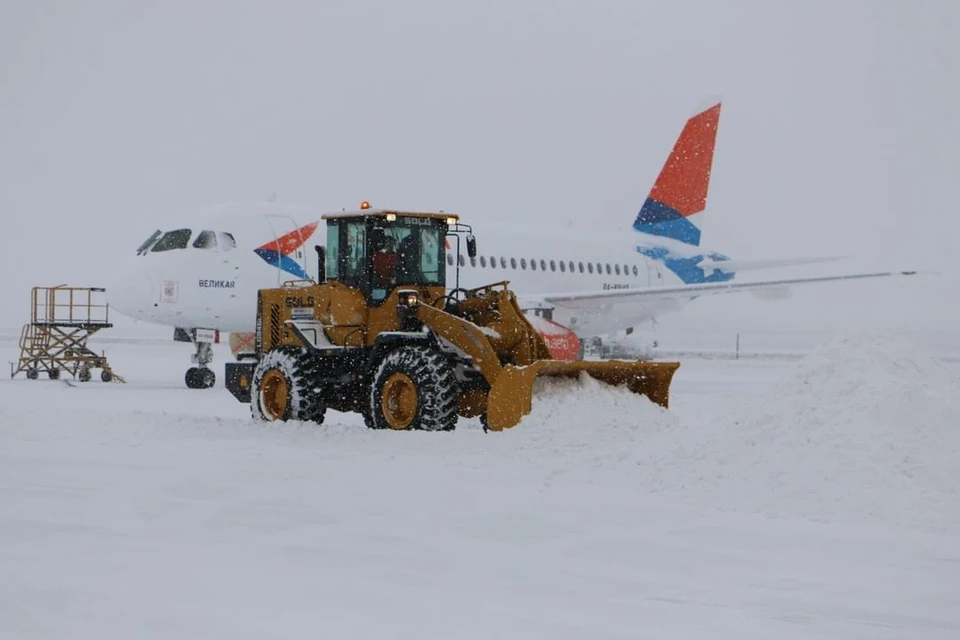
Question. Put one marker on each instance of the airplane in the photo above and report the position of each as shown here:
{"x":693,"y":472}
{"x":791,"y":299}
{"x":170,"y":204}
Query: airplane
{"x":200,"y":274}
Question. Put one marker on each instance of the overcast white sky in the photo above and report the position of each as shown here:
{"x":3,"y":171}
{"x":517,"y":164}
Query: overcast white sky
{"x":840,"y":132}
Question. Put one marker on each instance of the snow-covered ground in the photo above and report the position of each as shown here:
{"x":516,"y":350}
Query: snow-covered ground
{"x":809,"y":499}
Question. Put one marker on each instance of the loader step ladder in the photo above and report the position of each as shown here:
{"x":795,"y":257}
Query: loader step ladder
{"x":62,"y":319}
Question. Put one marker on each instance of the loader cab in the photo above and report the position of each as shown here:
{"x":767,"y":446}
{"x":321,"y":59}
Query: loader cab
{"x":377,"y":251}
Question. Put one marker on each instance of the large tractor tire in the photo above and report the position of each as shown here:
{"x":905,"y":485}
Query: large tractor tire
{"x":414,"y":388}
{"x":284,"y":387}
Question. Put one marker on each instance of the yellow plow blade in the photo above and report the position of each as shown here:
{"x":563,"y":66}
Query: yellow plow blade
{"x":511,"y":395}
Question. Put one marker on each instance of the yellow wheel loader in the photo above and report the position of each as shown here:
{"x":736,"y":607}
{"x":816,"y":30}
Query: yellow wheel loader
{"x":379,"y":334}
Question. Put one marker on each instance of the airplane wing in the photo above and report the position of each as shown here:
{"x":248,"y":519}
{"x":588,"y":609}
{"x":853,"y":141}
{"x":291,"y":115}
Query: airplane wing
{"x":737,"y":266}
{"x":576,"y":300}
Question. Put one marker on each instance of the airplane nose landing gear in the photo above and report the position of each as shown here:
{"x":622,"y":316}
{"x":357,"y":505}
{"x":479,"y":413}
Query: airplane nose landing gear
{"x":201,"y":377}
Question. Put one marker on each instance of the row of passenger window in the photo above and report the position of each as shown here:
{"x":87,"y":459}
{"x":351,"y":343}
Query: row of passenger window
{"x":180,"y":239}
{"x":544,"y":265}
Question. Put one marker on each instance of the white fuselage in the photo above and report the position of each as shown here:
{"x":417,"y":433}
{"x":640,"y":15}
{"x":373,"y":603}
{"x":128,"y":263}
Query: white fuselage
{"x":214,"y":285}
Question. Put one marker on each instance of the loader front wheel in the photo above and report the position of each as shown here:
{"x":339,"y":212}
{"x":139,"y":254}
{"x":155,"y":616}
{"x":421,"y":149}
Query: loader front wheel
{"x":398,"y":401}
{"x":414,"y":388}
{"x":283,"y":387}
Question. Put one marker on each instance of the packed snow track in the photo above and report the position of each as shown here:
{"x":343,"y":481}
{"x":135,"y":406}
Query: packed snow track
{"x":811,"y":499}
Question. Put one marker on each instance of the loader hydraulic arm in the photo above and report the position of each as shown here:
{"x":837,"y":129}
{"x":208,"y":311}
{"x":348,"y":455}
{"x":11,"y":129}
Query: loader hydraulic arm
{"x":466,"y":336}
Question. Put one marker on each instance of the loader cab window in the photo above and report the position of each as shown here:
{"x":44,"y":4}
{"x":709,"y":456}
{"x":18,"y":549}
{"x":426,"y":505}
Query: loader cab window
{"x":353,"y":254}
{"x":332,"y":266}
{"x":376,"y":255}
{"x":384,"y":261}
{"x":421,"y":257}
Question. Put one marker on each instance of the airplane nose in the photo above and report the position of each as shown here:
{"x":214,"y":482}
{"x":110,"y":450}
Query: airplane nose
{"x":133,"y":294}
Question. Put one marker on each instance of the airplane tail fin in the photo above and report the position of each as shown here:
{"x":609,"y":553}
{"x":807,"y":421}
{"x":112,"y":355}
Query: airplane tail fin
{"x":674,"y":208}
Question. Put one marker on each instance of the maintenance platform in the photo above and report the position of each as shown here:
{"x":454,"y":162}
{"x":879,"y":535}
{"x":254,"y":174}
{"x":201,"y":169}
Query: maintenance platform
{"x":62,"y":319}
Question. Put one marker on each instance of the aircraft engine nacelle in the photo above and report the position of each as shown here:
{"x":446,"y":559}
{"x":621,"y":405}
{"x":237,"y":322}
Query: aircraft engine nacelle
{"x":561,"y":341}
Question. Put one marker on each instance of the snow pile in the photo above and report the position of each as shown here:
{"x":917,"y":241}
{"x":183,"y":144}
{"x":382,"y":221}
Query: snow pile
{"x":866,"y":427}
{"x":589,"y":416}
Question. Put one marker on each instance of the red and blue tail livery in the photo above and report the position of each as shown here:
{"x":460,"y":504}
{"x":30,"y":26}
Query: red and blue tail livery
{"x":680,"y":192}
{"x":277,"y":253}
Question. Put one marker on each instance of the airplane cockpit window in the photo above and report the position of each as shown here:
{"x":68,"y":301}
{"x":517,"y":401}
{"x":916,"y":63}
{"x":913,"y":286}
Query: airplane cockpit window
{"x":227,"y":241}
{"x":205,"y":240}
{"x":177,"y":239}
{"x":142,"y":249}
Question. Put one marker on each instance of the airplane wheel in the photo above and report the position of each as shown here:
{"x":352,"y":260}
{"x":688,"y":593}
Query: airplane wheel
{"x":32,"y":373}
{"x":207,"y":378}
{"x":106,"y":375}
{"x":84,"y":375}
{"x":54,"y":374}
{"x":200,"y":378}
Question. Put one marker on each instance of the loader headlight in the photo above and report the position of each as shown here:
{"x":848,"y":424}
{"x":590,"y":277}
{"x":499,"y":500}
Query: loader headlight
{"x":409,"y":298}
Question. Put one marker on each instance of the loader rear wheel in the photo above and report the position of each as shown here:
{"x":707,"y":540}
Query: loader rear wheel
{"x":414,"y":388}
{"x":283,"y":387}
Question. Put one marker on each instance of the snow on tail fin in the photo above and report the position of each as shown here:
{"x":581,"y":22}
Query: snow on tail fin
{"x":675,"y":204}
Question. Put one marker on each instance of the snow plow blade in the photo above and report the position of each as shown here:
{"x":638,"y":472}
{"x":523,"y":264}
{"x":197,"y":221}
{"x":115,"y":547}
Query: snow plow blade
{"x":511,"y":396}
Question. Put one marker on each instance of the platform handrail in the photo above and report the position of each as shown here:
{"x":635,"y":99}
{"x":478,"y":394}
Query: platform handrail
{"x":68,"y":305}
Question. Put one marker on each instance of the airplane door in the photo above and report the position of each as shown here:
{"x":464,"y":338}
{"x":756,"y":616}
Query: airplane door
{"x":292,"y":258}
